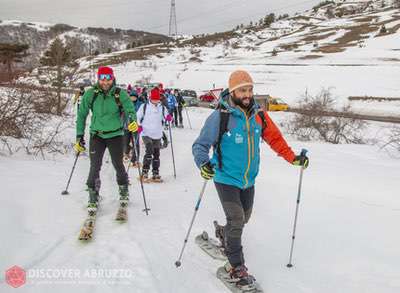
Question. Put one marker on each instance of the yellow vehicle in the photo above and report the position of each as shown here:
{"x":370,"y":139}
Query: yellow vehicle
{"x":276,"y":104}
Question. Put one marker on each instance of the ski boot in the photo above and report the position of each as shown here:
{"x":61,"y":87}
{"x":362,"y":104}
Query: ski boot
{"x":240,"y":276}
{"x":123,"y":196}
{"x":93,"y":201}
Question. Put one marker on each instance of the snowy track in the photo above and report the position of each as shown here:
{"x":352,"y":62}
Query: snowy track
{"x":346,"y":240}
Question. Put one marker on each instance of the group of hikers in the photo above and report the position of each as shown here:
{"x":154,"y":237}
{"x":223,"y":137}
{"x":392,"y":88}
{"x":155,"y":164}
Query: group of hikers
{"x":234,"y":131}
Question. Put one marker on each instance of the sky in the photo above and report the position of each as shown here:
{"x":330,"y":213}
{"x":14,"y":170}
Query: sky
{"x":193,"y":16}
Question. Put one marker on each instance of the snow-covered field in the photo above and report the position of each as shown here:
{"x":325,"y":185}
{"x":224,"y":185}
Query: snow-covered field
{"x":347,"y":238}
{"x":369,"y":68}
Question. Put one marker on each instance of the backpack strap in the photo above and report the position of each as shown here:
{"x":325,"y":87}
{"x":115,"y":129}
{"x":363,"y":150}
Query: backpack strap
{"x":144,"y":112}
{"x":223,"y":127}
{"x":116,"y":97}
{"x":94,"y":97}
{"x":263,"y":120}
{"x":117,"y":100}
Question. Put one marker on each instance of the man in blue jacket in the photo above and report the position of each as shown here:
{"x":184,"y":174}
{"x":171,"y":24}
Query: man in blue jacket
{"x":234,"y":131}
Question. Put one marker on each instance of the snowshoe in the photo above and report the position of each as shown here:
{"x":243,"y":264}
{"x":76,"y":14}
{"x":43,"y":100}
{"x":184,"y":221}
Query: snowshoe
{"x":238,"y":280}
{"x":210,"y":246}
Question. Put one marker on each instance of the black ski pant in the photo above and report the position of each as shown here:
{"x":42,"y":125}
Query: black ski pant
{"x":174,"y":114}
{"x":128,"y":145}
{"x":97,"y":147}
{"x":179,"y":114}
{"x":237,"y":204}
{"x":152,"y":155}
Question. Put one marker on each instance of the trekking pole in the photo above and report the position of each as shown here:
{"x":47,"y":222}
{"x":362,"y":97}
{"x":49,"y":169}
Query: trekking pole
{"x":187,"y":115}
{"x":65,"y":192}
{"x":289,"y":265}
{"x":178,"y":262}
{"x":172,"y":148}
{"x":146,"y":209}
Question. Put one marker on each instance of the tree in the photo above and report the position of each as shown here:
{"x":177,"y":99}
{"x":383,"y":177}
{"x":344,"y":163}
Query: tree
{"x":58,"y":55}
{"x":10,"y":54}
{"x":317,"y":121}
{"x":269,"y":19}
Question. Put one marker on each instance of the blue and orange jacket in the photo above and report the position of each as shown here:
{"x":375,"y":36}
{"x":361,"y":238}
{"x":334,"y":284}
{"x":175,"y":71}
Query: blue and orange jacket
{"x":240,"y":144}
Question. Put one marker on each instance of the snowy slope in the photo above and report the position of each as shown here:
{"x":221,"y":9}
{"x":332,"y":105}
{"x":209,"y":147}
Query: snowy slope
{"x":346,"y":240}
{"x":347,"y":54}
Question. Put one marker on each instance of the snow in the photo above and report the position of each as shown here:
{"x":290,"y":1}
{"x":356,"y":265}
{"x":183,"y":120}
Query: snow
{"x":39,"y":26}
{"x":87,"y":38}
{"x":346,"y":240}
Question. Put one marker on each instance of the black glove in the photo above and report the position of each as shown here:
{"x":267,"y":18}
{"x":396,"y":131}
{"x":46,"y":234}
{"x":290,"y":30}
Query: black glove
{"x":301,"y":160}
{"x":207,"y":171}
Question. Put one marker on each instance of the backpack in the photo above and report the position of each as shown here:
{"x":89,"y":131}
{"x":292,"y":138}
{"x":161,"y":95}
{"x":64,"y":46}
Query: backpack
{"x":171,"y":101}
{"x":223,"y":127}
{"x":144,"y":112}
{"x":116,"y":97}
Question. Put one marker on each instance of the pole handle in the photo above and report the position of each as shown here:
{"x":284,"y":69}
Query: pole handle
{"x":303,"y":152}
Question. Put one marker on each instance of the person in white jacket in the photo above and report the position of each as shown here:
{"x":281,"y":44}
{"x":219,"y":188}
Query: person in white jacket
{"x":150,"y":117}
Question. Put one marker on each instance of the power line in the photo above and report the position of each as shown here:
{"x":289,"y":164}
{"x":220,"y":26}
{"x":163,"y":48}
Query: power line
{"x":208,"y":12}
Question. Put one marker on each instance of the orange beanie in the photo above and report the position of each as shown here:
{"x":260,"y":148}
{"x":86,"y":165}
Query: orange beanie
{"x":238,"y":79}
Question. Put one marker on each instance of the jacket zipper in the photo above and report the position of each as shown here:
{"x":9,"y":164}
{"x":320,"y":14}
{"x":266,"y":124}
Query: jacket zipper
{"x":248,"y":149}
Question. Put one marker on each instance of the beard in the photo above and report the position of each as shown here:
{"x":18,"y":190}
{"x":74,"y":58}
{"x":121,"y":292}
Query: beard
{"x":244,"y":103}
{"x":105,"y":87}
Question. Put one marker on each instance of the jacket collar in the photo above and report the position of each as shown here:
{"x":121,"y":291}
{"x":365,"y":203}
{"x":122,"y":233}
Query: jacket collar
{"x":225,"y":102}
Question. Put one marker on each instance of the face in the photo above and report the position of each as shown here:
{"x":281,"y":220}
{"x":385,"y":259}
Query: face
{"x":133,"y":98}
{"x":155,"y":102}
{"x":105,"y":84}
{"x":243,"y":95}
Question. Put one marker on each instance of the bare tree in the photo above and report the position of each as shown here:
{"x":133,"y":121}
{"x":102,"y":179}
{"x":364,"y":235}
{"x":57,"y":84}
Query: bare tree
{"x":316,"y":125}
{"x":23,"y":127}
{"x":393,"y":142}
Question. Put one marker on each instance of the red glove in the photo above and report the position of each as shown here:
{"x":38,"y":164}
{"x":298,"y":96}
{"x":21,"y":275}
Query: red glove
{"x":140,"y":129}
{"x":168,"y":118}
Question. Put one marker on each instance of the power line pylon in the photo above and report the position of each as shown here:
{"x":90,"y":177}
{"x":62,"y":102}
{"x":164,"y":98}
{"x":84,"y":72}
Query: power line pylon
{"x":173,"y":29}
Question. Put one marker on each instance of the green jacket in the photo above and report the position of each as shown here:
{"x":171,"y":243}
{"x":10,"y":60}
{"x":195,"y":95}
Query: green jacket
{"x":105,"y":112}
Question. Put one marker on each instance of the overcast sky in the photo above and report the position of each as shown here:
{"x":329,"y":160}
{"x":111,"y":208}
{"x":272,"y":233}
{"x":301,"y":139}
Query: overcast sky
{"x":193,"y":16}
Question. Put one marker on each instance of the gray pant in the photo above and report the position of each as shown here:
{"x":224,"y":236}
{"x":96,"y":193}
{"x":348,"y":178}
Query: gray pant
{"x":152,"y":155}
{"x":237,"y":204}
